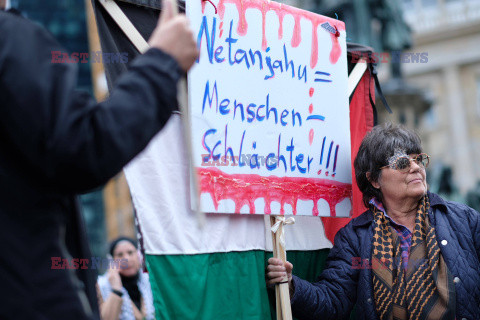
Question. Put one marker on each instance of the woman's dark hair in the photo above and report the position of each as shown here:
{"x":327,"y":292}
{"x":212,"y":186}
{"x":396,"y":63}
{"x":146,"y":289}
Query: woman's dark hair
{"x":115,"y":242}
{"x":376,"y":148}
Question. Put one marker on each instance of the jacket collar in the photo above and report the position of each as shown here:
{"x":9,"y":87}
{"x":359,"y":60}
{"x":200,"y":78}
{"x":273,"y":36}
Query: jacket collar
{"x":367,"y":217}
{"x":436,"y":201}
{"x":364,"y":219}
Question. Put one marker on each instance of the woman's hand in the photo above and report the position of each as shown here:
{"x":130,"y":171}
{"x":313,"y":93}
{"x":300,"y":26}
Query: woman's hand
{"x":114,"y":279}
{"x":278,"y":272}
{"x":112,"y":307}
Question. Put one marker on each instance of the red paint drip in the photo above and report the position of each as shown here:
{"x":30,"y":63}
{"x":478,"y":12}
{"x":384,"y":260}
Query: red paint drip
{"x":314,"y":55}
{"x":297,"y":32}
{"x":319,"y":171}
{"x":310,"y":108}
{"x":264,"y":38}
{"x":310,"y":136}
{"x":336,"y":51}
{"x":281,"y":10}
{"x":311,"y":91}
{"x":244,"y":189}
{"x":281,"y":15}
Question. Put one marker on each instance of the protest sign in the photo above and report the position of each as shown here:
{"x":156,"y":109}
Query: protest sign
{"x":269,"y":109}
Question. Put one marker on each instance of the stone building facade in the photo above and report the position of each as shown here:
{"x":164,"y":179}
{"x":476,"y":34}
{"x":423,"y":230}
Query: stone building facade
{"x":449,"y":32}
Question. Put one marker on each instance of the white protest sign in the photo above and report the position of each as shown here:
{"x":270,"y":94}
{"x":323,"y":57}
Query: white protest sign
{"x":269,"y":109}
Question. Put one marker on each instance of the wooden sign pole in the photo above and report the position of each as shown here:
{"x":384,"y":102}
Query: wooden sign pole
{"x":282,"y":294}
{"x":182,"y":98}
{"x":356,"y":75}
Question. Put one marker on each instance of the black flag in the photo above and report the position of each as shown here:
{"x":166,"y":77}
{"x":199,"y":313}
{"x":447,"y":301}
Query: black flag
{"x":144,"y":16}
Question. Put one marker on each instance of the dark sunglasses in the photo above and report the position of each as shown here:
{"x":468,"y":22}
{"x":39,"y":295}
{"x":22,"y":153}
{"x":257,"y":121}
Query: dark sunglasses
{"x":403,"y":163}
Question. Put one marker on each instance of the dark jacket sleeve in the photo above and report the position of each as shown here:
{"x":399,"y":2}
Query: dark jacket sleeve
{"x":474,"y":223}
{"x":71,"y":142}
{"x":334,"y":295}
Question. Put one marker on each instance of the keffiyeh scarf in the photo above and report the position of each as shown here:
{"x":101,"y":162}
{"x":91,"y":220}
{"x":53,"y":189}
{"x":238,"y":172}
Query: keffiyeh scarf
{"x":425,"y":290}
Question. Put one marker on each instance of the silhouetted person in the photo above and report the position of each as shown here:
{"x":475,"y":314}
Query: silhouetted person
{"x":56,"y":142}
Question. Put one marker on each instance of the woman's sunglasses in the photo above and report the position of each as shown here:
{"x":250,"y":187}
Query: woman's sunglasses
{"x":403,"y":163}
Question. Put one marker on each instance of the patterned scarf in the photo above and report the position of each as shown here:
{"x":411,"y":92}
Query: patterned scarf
{"x":425,"y":290}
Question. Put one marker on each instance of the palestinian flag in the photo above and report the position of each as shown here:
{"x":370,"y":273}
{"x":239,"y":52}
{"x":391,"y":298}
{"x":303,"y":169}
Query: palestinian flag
{"x":212,"y":273}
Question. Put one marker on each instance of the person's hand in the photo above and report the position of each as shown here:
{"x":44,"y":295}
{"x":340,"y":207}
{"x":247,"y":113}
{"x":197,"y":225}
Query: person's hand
{"x":278,"y":271}
{"x":174,"y":36}
{"x":114,"y":279}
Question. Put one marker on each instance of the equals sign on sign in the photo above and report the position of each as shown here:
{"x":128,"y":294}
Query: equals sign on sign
{"x":319,"y":74}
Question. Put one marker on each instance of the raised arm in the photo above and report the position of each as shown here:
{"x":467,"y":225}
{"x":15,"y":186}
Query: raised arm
{"x":61,"y":138}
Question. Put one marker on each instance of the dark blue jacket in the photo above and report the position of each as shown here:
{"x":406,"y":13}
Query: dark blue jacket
{"x":346,"y":280}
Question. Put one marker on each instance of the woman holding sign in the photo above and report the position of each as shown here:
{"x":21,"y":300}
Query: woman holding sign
{"x":411,"y":255}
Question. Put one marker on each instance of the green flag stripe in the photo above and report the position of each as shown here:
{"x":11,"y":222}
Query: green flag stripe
{"x":221,"y":285}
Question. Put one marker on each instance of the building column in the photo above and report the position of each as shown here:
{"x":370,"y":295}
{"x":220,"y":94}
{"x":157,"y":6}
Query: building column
{"x":461,"y":156}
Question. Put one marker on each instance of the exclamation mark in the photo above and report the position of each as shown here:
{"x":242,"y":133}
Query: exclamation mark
{"x":335,"y":162}
{"x":321,"y":156}
{"x":328,"y":159}
{"x":310,"y":109}
{"x":310,"y":136}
